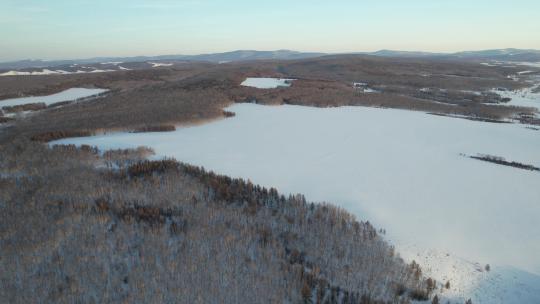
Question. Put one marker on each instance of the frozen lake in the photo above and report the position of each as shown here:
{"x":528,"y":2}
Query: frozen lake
{"x":401,"y":170}
{"x":266,"y":83}
{"x":67,"y":95}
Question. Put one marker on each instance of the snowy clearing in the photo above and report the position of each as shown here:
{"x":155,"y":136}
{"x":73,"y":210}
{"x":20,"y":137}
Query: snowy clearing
{"x":42,"y":72}
{"x":477,"y":93}
{"x":160,"y":64}
{"x":67,"y":95}
{"x":51,"y":72}
{"x":101,"y":71}
{"x":471,"y":280}
{"x":401,"y":170}
{"x":532,"y":64}
{"x":267,"y":83}
{"x":522,"y":98}
{"x":511,"y":64}
{"x":363,"y":87}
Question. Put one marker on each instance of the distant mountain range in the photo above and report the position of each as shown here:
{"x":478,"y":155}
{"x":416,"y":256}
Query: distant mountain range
{"x":490,"y":55}
{"x":503,"y":55}
{"x":245,"y":55}
{"x":240,"y":55}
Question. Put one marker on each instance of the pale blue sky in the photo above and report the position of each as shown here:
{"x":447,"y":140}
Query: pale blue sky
{"x":54,"y":29}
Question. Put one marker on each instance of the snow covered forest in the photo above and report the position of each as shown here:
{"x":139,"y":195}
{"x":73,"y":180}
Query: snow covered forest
{"x":83,"y":226}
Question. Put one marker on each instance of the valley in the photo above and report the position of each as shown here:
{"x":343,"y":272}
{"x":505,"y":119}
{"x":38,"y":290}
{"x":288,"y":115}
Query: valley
{"x":397,"y":143}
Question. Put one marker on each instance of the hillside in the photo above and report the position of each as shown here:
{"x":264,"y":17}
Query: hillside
{"x":80,"y":226}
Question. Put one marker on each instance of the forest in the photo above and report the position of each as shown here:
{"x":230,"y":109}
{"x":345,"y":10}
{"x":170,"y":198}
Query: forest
{"x":82,"y":225}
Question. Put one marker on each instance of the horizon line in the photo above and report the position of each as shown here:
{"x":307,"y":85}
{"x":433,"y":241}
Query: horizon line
{"x":272,"y":50}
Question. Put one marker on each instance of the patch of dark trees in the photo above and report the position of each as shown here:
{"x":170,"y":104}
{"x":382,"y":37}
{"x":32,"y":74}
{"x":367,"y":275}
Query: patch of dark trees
{"x":485,"y":119}
{"x":316,"y":289}
{"x":25,"y":107}
{"x":56,"y":135}
{"x":228,"y":114}
{"x":155,"y":128}
{"x":319,"y":290}
{"x":149,"y":168}
{"x":58,"y":104}
{"x":4,"y":119}
{"x":529,"y":119}
{"x":473,"y":118}
{"x":74,"y":149}
{"x":152,"y":216}
{"x":501,"y":161}
{"x":219,"y":187}
{"x":234,"y":190}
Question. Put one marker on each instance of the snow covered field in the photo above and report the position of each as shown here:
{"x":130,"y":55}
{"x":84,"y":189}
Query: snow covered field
{"x":54,"y":72}
{"x":522,"y":98}
{"x":401,"y":170}
{"x":512,"y":63}
{"x":266,"y":83}
{"x":67,"y":95}
{"x":160,"y":64}
{"x":42,"y":72}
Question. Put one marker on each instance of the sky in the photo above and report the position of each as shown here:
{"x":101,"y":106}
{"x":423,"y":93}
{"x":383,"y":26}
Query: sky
{"x":69,"y":29}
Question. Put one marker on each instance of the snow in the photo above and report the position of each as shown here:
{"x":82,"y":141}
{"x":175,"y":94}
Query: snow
{"x":401,"y":170}
{"x":19,"y":73}
{"x":513,"y":64}
{"x":266,"y":83}
{"x":67,"y":95}
{"x":18,"y":114}
{"x":513,"y":77}
{"x":101,"y":71}
{"x":62,"y":72}
{"x":477,"y":93}
{"x":468,"y":279}
{"x":532,"y":64}
{"x":14,"y":73}
{"x":362,"y":86}
{"x":159,"y":64}
{"x":51,"y":72}
{"x":522,"y":97}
